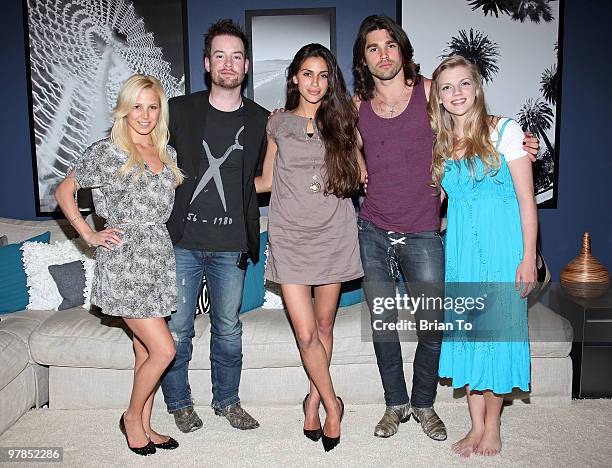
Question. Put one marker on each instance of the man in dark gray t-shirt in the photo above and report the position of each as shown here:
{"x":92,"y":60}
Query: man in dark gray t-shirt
{"x":220,"y":139}
{"x":215,"y":220}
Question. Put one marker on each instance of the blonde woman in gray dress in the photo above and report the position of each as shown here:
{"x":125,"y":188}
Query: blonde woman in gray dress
{"x":312,"y":169}
{"x":134,"y":173}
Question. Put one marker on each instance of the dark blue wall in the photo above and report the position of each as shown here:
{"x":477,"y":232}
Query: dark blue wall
{"x":16,"y":183}
{"x":585,"y":162}
{"x":584,"y":201}
{"x":349,"y":15}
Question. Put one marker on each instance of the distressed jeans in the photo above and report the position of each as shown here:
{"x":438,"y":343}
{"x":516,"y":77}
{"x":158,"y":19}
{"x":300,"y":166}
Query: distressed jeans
{"x":418,"y":258}
{"x":225,"y":282}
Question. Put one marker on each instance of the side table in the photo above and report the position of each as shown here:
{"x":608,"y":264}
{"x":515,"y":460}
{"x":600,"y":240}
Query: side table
{"x":591,"y":352}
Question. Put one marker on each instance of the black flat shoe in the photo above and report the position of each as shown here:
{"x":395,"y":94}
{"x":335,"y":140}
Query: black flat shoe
{"x":312,"y":434}
{"x":148,"y":449}
{"x":170,"y":444}
{"x":329,"y":443}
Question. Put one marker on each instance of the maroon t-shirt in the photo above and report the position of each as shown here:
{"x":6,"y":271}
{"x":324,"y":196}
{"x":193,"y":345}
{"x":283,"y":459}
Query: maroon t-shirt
{"x":398,"y":155}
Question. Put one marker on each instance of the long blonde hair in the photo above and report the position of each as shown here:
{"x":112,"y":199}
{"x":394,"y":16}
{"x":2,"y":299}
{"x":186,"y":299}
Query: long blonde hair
{"x":476,"y":141}
{"x":120,"y":135}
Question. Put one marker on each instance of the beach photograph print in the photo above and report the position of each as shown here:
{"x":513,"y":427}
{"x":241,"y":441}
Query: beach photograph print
{"x":516,"y":46}
{"x":275,"y":36}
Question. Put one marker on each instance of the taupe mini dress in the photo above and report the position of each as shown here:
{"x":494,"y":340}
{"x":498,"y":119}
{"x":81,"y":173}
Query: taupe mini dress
{"x":312,"y":237}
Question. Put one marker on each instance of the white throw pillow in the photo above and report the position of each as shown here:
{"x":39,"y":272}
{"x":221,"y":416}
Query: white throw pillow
{"x":273,"y":298}
{"x":37,"y":258}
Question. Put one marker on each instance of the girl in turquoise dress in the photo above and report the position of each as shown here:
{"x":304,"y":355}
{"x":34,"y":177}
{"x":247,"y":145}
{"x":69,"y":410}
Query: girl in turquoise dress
{"x":490,"y":248}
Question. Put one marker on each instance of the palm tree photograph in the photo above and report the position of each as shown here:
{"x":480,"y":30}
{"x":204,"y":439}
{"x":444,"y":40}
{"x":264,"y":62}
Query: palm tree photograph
{"x":549,"y":82}
{"x":515,"y":44}
{"x":477,"y":48}
{"x":492,"y":7}
{"x":536,"y":116}
{"x":532,"y":10}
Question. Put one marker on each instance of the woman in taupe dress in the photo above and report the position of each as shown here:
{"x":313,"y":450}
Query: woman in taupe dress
{"x":312,"y":167}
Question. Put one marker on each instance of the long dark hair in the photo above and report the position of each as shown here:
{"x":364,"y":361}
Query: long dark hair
{"x":364,"y":83}
{"x":336,"y":121}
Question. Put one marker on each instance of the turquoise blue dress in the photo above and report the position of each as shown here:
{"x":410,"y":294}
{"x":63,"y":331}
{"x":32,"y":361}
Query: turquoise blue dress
{"x":484,"y":247}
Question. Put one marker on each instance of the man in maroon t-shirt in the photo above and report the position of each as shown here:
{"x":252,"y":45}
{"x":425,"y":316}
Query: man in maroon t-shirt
{"x":399,"y":221}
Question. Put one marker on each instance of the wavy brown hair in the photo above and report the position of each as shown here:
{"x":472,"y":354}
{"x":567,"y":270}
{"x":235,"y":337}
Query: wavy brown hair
{"x":476,"y":141}
{"x":336,"y":121}
{"x":362,"y":78}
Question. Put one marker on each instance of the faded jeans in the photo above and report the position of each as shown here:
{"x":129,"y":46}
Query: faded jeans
{"x":225,"y":282}
{"x":419,"y":258}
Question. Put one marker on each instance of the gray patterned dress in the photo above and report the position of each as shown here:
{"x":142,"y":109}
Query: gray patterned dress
{"x":138,"y":278}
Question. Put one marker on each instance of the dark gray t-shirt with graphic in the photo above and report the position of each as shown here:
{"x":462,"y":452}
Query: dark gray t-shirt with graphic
{"x":215,"y":219}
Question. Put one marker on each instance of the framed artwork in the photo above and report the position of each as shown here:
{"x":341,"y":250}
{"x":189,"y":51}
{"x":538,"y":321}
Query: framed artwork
{"x":79,"y":54}
{"x":517,"y":47}
{"x":274,"y":37}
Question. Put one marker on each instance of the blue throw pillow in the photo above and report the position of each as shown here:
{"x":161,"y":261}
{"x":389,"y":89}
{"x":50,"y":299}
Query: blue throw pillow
{"x":253,"y":292}
{"x":351,"y":293}
{"x":13,"y":281}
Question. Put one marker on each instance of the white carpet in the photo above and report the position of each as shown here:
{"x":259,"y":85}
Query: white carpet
{"x":533,"y":436}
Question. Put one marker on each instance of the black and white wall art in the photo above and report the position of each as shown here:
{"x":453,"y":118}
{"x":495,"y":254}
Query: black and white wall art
{"x":275,"y":36}
{"x":517,"y":48}
{"x":80,"y":52}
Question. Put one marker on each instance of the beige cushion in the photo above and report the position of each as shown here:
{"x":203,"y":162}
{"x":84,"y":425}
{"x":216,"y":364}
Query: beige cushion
{"x":16,"y":398}
{"x":550,"y":335}
{"x":22,"y":324}
{"x":269,"y":342}
{"x":13,"y":357}
{"x":77,"y":338}
{"x":18,"y":231}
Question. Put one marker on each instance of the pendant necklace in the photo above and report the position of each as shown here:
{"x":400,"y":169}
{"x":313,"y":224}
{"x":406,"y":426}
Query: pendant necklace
{"x":391,"y":109}
{"x":315,"y":185}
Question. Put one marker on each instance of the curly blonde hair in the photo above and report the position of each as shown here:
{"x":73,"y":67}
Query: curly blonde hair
{"x":476,"y":141}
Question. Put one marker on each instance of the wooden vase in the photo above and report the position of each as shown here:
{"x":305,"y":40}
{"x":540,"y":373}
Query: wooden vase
{"x":585,"y":276}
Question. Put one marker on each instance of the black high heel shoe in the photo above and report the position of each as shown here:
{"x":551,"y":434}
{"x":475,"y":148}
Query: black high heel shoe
{"x":312,"y":434}
{"x":329,"y":443}
{"x":148,"y":449}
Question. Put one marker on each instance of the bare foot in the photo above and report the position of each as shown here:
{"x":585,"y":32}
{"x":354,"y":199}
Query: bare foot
{"x":467,"y":445}
{"x":312,"y":420}
{"x":156,"y":437}
{"x":490,"y":443}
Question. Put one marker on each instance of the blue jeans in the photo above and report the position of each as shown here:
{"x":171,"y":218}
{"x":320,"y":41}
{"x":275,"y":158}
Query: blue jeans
{"x":225,"y":282}
{"x":419,"y":258}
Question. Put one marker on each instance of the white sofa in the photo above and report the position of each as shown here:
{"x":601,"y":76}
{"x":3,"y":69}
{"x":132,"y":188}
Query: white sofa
{"x":23,"y":382}
{"x":89,"y":358}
